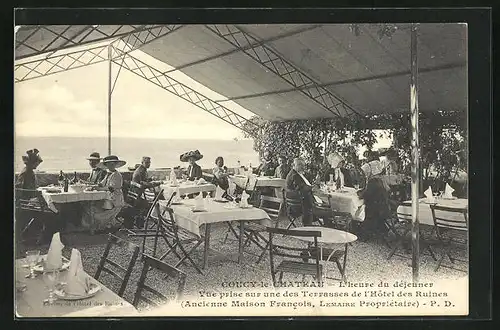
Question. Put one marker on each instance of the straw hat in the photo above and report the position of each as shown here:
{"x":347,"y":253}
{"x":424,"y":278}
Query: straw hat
{"x":94,"y":156}
{"x":191,"y":154}
{"x":112,"y":159}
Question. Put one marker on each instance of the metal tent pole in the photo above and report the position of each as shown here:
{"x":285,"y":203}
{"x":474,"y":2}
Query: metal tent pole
{"x":415,"y":178}
{"x":109,"y":97}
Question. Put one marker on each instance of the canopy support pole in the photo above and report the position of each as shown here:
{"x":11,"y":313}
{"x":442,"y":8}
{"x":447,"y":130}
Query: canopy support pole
{"x":110,"y":91}
{"x":415,"y":171}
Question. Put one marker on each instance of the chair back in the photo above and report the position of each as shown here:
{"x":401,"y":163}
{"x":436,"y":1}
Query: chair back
{"x":106,"y":261}
{"x":29,"y":200}
{"x":151,"y":263}
{"x":272,"y":205}
{"x":404,"y":217}
{"x":135,"y":193}
{"x":449,"y":218}
{"x":293,"y":252}
{"x":149,"y":195}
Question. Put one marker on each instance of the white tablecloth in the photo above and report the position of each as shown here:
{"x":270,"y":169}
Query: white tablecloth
{"x":262,"y":181}
{"x":71,"y":197}
{"x":186,"y":189}
{"x":30,"y":302}
{"x":216,"y":212}
{"x":425,"y":213}
{"x":348,"y":201}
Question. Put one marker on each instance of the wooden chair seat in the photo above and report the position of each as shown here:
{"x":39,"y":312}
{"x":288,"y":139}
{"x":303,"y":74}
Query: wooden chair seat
{"x":297,"y":267}
{"x":254,"y":226}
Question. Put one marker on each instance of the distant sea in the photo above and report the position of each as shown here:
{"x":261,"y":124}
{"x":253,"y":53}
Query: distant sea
{"x":70,"y":153}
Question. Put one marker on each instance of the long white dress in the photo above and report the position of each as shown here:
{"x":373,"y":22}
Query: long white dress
{"x":101,"y":215}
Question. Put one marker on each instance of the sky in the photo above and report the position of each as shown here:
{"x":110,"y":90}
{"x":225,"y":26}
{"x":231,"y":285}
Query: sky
{"x":74,"y":103}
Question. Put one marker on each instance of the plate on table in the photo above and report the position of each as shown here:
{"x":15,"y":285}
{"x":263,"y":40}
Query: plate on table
{"x":93,"y":290}
{"x":449,"y":198}
{"x":176,"y":203}
{"x":173,"y":185}
{"x":221,"y":200}
{"x":246,"y":207}
{"x":41,"y":269}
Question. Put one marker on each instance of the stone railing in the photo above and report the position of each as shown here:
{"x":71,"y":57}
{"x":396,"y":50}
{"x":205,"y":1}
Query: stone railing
{"x":47,"y":178}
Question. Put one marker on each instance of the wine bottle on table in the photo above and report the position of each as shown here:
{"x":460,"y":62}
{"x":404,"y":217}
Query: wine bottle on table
{"x":66,"y":184}
{"x":75,"y":178}
{"x":60,"y":179}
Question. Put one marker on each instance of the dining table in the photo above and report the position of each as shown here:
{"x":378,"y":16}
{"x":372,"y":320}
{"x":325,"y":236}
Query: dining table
{"x":52,"y":198}
{"x":215,"y":212}
{"x":186,"y":188}
{"x":343,"y":200}
{"x":331,"y":238}
{"x":31,"y":294}
{"x":404,"y":210}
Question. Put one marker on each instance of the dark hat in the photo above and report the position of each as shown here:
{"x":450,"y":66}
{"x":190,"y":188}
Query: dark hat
{"x":191,"y":154}
{"x":94,"y":156}
{"x":32,"y":157}
{"x":112,"y":159}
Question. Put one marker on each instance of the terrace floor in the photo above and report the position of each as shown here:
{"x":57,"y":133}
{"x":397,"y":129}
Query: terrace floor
{"x":366,"y":263}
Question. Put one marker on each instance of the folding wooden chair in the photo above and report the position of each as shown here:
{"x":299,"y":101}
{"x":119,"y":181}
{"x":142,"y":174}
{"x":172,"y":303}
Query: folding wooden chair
{"x":400,"y":228}
{"x":123,"y":245}
{"x":452,"y":227}
{"x":292,"y":204}
{"x":175,"y":237}
{"x":151,"y":263}
{"x":253,"y":230}
{"x":150,"y":224}
{"x":289,"y":253}
{"x":31,"y":205}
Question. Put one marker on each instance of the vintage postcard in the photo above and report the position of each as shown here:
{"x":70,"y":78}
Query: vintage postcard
{"x":241,"y":170}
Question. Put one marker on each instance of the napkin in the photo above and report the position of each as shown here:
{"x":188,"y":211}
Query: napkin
{"x":232,"y":188}
{"x":78,"y":282}
{"x":54,"y":257}
{"x":448,"y":191}
{"x":177,"y":196}
{"x":244,"y":199}
{"x":199,"y":202}
{"x":218,"y":193}
{"x":428,"y":194}
{"x":173,"y":177}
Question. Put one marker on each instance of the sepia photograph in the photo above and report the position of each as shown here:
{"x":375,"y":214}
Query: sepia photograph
{"x":237,"y":170}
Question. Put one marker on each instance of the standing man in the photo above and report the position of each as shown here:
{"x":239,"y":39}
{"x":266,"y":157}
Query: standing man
{"x":298,"y":187}
{"x":140,"y":175}
{"x":97,"y":174}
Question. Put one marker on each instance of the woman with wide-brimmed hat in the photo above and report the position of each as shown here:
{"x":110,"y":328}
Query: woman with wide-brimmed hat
{"x":102,"y":214}
{"x":194,"y":170}
{"x":27,"y":179}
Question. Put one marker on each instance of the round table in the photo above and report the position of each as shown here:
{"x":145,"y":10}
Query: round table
{"x":330,"y":236}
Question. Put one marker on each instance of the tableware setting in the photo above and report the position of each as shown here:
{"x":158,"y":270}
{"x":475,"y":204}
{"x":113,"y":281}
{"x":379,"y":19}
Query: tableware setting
{"x":32,"y":258}
{"x":78,"y":283}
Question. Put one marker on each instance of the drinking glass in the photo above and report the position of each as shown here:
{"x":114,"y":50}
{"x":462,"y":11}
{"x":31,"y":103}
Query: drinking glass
{"x":50,"y":278}
{"x":32,"y":258}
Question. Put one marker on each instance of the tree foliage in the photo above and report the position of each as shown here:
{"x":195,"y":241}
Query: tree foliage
{"x":443,"y":140}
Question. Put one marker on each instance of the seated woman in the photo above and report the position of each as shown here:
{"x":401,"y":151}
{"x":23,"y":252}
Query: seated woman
{"x":377,"y":209}
{"x":27,"y":178}
{"x":194,"y":170}
{"x":220,"y":173}
{"x":101,"y":215}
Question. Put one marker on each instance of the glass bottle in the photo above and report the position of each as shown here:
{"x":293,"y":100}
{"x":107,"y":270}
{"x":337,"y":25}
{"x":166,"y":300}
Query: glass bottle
{"x":60,"y":179}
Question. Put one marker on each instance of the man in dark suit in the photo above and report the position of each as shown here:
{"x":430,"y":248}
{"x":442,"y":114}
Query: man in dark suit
{"x":97,"y":174}
{"x":298,"y":187}
{"x":140,"y":175}
{"x":267,"y":167}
